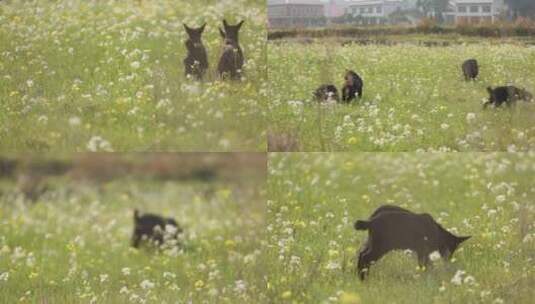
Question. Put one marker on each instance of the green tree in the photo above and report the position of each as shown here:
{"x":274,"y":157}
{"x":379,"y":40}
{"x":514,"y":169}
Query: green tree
{"x":437,"y":7}
{"x":524,"y":8}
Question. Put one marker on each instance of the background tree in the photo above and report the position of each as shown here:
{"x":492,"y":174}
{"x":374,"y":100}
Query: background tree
{"x":523,"y":8}
{"x":437,"y":7}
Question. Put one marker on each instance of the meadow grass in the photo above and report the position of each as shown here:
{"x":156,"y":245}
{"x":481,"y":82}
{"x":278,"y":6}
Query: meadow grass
{"x":314,"y":199}
{"x":73,"y":244}
{"x":108,"y":75}
{"x":415,"y":97}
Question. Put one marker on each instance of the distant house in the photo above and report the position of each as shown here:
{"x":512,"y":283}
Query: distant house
{"x":475,"y":11}
{"x":369,"y":12}
{"x":335,"y":8}
{"x":296,"y":13}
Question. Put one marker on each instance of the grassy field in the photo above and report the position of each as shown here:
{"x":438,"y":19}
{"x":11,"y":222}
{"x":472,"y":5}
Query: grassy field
{"x":108,"y":75}
{"x":73,"y":244}
{"x":313,"y":200}
{"x":415,"y":97}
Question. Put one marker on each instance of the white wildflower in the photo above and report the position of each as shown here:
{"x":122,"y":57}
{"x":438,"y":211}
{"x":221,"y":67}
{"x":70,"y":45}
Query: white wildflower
{"x":103,"y":278}
{"x":170,"y":229}
{"x":434,"y":256}
{"x":332,"y":265}
{"x":458,"y":277}
{"x":224,"y":143}
{"x":42,"y":119}
{"x":97,"y":143}
{"x":135,"y":65}
{"x":470,"y":117}
{"x":74,"y":121}
{"x":240,"y":286}
{"x":469,"y":280}
{"x":146,"y":284}
{"x":500,"y":198}
{"x":169,"y":275}
{"x":4,"y":276}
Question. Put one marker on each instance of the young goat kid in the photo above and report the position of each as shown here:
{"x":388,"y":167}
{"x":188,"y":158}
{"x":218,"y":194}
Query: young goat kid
{"x":470,"y":69}
{"x":155,"y":229}
{"x":394,"y":228}
{"x":508,"y":95}
{"x":231,"y":61}
{"x":326,"y":93}
{"x":196,"y":61}
{"x":352,"y":87}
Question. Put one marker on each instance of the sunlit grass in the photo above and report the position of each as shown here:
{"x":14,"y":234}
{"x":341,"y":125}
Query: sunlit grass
{"x":313,"y":200}
{"x":415,"y":97}
{"x":108,"y":75}
{"x":73,"y":244}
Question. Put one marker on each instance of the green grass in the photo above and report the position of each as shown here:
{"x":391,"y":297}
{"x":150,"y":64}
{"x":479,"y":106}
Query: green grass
{"x":73,"y":244}
{"x":111,"y":71}
{"x":314,"y":198}
{"x":415,"y":97}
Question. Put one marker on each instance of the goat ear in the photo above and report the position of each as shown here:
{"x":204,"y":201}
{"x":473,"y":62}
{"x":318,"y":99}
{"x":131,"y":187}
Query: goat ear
{"x":136,"y":214}
{"x":240,"y":24}
{"x":222,"y":33}
{"x":186,"y":27}
{"x":201,"y":29}
{"x":489,"y":89}
{"x":225,"y":24}
{"x":461,"y":239}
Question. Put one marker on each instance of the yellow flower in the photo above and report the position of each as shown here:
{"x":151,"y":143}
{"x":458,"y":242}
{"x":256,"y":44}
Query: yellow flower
{"x":13,"y":93}
{"x":286,"y":295}
{"x":300,"y":224}
{"x":71,"y":247}
{"x":349,"y":298}
{"x":224,"y":193}
{"x":33,"y":275}
{"x":352,"y":140}
{"x":199,"y":284}
{"x":333,"y":253}
{"x":230,"y":243}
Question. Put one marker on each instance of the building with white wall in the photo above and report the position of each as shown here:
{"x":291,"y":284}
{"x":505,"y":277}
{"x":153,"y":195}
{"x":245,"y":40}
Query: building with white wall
{"x":373,"y":11}
{"x":475,"y":11}
{"x":296,"y":13}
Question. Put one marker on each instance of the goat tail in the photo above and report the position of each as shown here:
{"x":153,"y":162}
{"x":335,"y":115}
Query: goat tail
{"x":362,"y":225}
